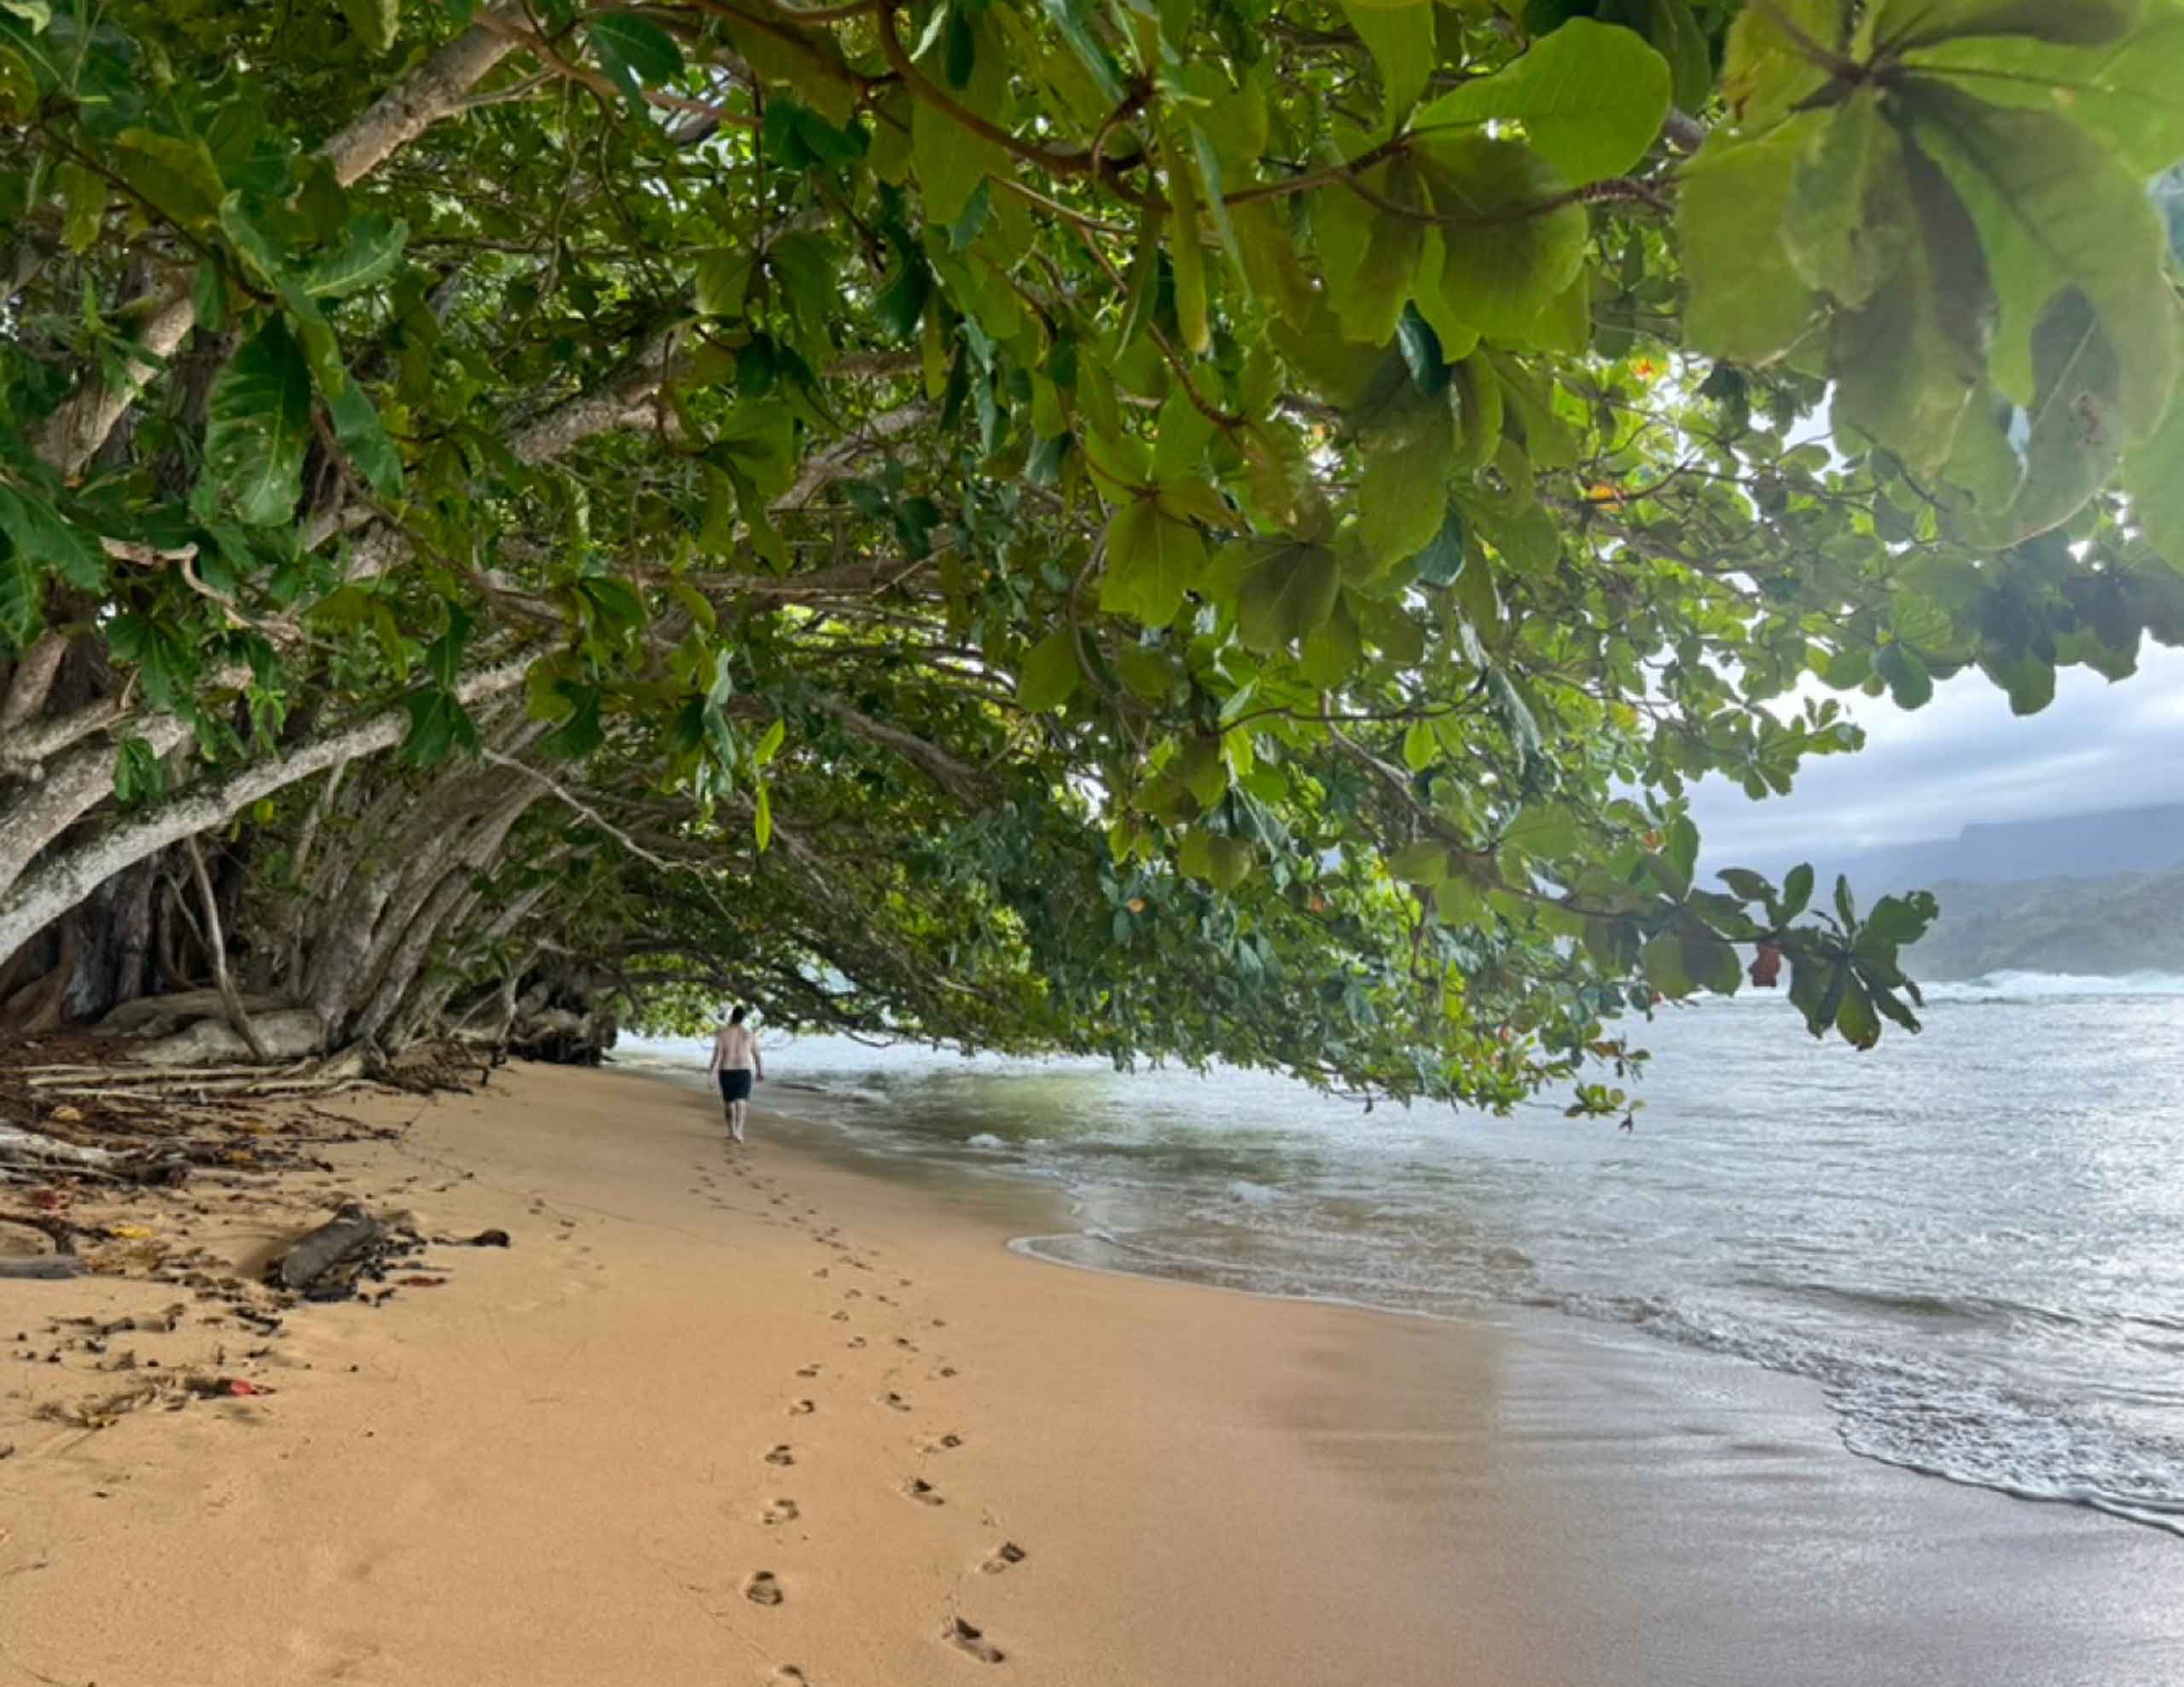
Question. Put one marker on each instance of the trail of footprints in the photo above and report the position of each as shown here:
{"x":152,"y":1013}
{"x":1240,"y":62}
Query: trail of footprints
{"x":764,"y":1587}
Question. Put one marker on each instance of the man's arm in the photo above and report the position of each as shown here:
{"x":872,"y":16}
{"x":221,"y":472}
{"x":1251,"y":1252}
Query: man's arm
{"x":758,"y":1060}
{"x":713,"y":1070}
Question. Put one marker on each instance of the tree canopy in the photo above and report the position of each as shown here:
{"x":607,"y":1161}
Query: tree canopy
{"x":1194,"y":528}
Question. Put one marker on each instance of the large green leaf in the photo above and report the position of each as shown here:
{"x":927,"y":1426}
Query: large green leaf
{"x":22,"y":599}
{"x":363,"y":254}
{"x":2124,"y":94}
{"x":19,"y":93}
{"x":2072,"y":446}
{"x":1400,"y":39}
{"x":1592,"y":98}
{"x":364,"y":438}
{"x":1332,"y":650}
{"x":2055,"y":212}
{"x":258,"y":425}
{"x":1400,"y":502}
{"x":1767,"y":69}
{"x":46,"y":538}
{"x":1286,"y":595}
{"x":1908,"y":363}
{"x":1844,"y":227}
{"x":1747,"y":300}
{"x":1153,"y":559}
{"x":177,"y":178}
{"x":1906,"y":24}
{"x":2154,"y":476}
{"x":634,"y":52}
{"x":375,"y":22}
{"x":952,"y":161}
{"x":1512,"y":238}
{"x":1222,"y":861}
{"x":1049,"y":675}
{"x":1369,"y":248}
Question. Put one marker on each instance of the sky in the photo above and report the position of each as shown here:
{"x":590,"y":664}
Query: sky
{"x":1965,"y":760}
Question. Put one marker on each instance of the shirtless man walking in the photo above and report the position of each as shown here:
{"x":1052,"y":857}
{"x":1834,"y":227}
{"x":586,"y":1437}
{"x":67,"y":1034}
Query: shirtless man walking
{"x":736,"y":1063}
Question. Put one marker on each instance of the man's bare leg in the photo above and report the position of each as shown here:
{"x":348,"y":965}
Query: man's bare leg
{"x":736,"y":1112}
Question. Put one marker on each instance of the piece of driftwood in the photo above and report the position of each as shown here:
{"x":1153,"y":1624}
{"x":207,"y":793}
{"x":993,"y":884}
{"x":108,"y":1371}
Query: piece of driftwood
{"x":350,"y":1230}
{"x":28,"y":1147}
{"x":50,"y":1266}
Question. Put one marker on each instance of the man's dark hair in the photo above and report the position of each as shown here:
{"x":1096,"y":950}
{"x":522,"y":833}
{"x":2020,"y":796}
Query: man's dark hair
{"x":736,"y":1018}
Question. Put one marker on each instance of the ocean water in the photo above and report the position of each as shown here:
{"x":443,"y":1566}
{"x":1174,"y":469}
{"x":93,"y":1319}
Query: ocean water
{"x":1972,"y":1240}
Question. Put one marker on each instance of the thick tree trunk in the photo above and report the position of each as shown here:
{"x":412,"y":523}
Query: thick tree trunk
{"x":40,"y":811}
{"x":113,"y":955}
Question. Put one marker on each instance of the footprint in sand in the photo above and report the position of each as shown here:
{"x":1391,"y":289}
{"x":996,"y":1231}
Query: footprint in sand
{"x":852,"y":1294}
{"x":821,"y":1271}
{"x":802,"y":1408}
{"x":904,"y":1342}
{"x":791,"y":1675}
{"x":782,"y":1455}
{"x":965,"y":1639}
{"x":855,"y":1341}
{"x":946,"y":1370}
{"x":763,"y":1589}
{"x":946,"y":1444}
{"x":940,"y":1323}
{"x":841,"y":1317}
{"x":917,"y":1488}
{"x":807,"y":1370}
{"x":894,"y":1401}
{"x":782,"y":1511}
{"x":901,"y":1282}
{"x":1009,"y":1552}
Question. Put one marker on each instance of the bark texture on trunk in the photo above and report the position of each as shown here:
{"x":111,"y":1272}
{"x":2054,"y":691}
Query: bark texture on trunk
{"x":60,"y":882}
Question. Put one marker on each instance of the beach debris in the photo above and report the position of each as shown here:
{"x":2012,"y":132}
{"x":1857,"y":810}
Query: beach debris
{"x":763,"y":1588}
{"x":966,"y":1639}
{"x":171,"y":1389}
{"x":327,"y":1264}
{"x":52,"y":1268}
{"x":28,"y":1147}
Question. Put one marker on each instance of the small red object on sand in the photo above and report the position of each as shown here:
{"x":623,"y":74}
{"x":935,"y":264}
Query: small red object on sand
{"x":237,"y":1386}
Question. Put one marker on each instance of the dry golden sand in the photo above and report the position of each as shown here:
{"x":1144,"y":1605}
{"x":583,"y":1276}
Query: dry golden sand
{"x":724,"y":1417}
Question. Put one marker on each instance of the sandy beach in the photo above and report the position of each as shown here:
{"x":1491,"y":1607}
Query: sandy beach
{"x":764,"y":1415}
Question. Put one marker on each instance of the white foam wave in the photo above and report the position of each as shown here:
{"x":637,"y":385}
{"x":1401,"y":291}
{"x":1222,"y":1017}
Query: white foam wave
{"x":2036,"y":986}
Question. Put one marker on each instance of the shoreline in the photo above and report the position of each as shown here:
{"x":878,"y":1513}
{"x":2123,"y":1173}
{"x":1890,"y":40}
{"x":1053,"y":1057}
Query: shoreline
{"x":555,"y":1467}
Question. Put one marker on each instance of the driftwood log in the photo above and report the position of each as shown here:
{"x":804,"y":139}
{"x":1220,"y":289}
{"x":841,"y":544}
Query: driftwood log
{"x":349,"y":1232}
{"x":49,"y":1266}
{"x":28,"y":1147}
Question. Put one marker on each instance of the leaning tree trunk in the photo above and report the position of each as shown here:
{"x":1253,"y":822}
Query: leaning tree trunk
{"x":66,"y":876}
{"x":404,"y":957}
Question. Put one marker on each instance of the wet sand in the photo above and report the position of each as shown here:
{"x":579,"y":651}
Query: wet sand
{"x":769,"y":1415}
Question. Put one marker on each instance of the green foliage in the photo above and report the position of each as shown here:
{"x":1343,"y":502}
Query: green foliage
{"x":1169,"y":532}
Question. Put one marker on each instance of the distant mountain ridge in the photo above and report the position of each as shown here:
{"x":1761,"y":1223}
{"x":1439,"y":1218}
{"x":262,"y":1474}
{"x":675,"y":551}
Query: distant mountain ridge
{"x":2067,"y":847}
{"x":2100,"y":893}
{"x":2130,"y":923}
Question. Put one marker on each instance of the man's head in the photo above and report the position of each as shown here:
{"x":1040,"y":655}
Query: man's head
{"x":736,"y":1018}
